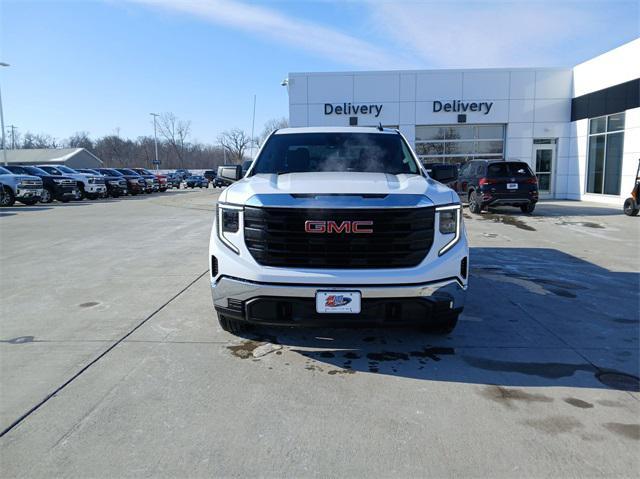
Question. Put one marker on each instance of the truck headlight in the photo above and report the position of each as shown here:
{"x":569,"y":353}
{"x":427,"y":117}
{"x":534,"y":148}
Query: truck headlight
{"x":228,"y":221}
{"x":92,"y":181}
{"x":449,"y":221}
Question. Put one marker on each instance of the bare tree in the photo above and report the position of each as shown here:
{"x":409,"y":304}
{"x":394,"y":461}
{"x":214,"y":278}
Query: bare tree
{"x":175,"y":132}
{"x":270,"y":126}
{"x":235,"y":142}
{"x":79,"y":139}
{"x":41,"y":140}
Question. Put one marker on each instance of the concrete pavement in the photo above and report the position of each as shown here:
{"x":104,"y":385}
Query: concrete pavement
{"x":533,"y":382}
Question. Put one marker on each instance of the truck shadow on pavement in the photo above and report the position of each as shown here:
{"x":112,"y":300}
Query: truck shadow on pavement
{"x":534,"y":317}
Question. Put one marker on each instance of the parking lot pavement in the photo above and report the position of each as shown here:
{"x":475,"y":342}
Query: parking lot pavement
{"x":537,"y":380}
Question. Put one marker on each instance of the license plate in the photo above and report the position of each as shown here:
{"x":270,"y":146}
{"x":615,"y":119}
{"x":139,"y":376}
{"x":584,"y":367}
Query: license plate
{"x":512,"y":186}
{"x":344,"y":302}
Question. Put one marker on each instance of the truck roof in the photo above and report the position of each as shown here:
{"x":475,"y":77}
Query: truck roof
{"x":335,"y":129}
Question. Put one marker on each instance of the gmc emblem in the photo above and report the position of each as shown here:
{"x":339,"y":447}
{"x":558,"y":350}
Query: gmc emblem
{"x":311,"y":226}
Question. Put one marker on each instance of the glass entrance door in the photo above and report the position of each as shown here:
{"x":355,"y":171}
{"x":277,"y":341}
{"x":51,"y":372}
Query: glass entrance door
{"x":544,"y":155}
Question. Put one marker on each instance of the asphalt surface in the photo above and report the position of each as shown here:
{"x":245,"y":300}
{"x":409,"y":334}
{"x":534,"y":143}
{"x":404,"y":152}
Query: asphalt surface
{"x":112,"y":363}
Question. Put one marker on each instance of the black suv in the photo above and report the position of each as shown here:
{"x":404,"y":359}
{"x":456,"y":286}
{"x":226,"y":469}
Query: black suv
{"x":484,"y":183}
{"x":210,"y":175}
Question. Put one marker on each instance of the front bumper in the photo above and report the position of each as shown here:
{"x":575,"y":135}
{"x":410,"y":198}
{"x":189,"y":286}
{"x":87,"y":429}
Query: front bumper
{"x":95,"y":188}
{"x":294,"y":305}
{"x":22,"y":193}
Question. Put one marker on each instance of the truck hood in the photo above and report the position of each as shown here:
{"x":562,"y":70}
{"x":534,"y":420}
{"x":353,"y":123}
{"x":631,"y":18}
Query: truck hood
{"x":337,"y":183}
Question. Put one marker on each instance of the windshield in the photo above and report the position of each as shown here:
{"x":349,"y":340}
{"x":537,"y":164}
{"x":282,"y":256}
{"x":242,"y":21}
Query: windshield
{"x":111,"y":172}
{"x":127,"y":171}
{"x":353,"y":152}
{"x":4,"y":171}
{"x":496,"y":170}
{"x":36,"y":171}
{"x":66,"y":169}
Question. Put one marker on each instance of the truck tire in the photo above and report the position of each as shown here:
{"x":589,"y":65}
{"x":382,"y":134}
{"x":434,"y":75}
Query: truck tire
{"x":528,"y":208}
{"x":8,"y":199}
{"x":232,"y":326}
{"x":92,"y":196}
{"x":29,"y":202}
{"x":630,"y":207}
{"x":47,"y":195}
{"x":474,"y":206}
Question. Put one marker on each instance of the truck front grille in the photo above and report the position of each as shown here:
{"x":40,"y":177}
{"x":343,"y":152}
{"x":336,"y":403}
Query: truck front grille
{"x":401,"y":238}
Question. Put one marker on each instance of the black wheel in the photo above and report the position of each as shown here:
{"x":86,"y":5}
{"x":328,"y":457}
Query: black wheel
{"x":631,"y":207}
{"x":47,"y":196}
{"x":474,"y":206}
{"x":8,"y":199}
{"x":81,"y":194}
{"x":232,"y":326}
{"x":65,"y":199}
{"x":528,"y":208}
{"x":445,"y":325}
{"x":92,"y":196}
{"x":29,"y":202}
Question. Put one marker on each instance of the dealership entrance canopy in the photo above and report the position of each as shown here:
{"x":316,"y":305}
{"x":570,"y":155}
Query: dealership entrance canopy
{"x":578,"y":128}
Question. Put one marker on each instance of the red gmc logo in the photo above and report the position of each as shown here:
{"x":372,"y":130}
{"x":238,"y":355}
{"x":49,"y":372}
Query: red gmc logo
{"x":333,"y":227}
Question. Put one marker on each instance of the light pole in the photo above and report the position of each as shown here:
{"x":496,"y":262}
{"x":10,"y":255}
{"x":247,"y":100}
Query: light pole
{"x":4,"y":145}
{"x":155,"y":137}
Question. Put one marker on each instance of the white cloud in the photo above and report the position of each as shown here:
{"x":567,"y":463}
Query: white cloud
{"x":488,"y":33}
{"x":293,"y":32}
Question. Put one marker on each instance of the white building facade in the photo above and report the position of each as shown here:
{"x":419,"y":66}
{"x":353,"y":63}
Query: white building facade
{"x":578,"y":128}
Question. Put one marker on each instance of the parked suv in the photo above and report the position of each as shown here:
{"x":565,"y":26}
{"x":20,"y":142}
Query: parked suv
{"x":89,"y":185}
{"x":61,"y":188}
{"x":210,"y":175}
{"x":23,"y":187}
{"x":337,"y":225}
{"x":484,"y":183}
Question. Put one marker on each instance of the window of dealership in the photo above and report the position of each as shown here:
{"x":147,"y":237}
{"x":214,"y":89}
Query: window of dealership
{"x":459,"y":143}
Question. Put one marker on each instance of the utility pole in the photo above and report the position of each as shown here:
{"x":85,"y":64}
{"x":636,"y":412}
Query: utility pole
{"x":4,"y":149}
{"x":13,"y":136}
{"x":253,"y":124}
{"x":155,"y":138}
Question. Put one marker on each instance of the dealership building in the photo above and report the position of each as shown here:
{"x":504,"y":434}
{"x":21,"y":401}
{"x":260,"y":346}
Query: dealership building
{"x":578,"y":128}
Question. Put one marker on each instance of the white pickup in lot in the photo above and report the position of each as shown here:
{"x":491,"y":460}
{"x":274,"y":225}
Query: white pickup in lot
{"x":89,"y":186}
{"x":26,"y":189}
{"x":346,"y":217}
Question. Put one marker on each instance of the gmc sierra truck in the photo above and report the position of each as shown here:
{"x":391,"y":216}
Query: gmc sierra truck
{"x":333,"y":226}
{"x":25,"y":188}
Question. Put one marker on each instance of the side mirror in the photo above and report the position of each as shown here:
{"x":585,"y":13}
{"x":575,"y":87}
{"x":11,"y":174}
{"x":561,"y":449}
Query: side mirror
{"x":230,"y":172}
{"x":443,"y":173}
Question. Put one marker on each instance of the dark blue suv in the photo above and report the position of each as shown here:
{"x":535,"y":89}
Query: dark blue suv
{"x":484,"y":183}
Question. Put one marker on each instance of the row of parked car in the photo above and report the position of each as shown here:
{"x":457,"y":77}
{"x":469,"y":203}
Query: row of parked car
{"x":45,"y":183}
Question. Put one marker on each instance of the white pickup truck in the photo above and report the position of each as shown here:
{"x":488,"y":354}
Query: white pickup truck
{"x":89,"y":186}
{"x":26,"y":189}
{"x":333,"y":226}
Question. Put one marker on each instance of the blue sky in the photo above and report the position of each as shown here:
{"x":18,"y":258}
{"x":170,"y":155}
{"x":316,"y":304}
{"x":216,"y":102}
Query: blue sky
{"x":102,"y":65}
